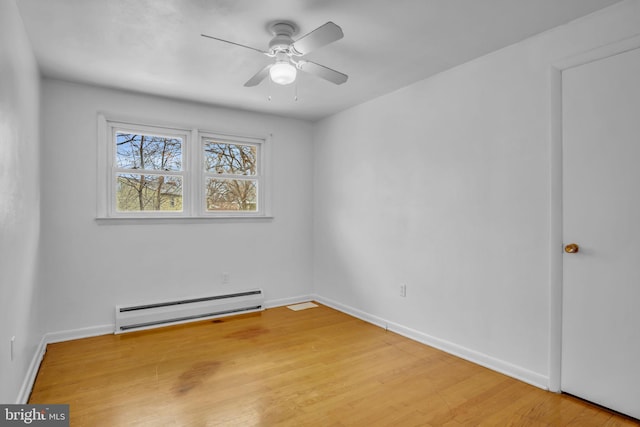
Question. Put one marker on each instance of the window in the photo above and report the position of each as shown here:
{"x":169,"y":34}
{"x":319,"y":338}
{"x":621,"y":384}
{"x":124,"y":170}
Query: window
{"x":231,"y":179}
{"x":148,"y":171}
{"x":160,"y":172}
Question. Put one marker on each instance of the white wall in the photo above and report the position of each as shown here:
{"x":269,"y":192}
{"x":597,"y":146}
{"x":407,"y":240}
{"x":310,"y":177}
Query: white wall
{"x":445,"y":186}
{"x":19,"y":201}
{"x":89,"y":267}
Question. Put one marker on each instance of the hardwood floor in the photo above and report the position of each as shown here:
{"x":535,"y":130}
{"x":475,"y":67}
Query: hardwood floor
{"x":315,"y":367}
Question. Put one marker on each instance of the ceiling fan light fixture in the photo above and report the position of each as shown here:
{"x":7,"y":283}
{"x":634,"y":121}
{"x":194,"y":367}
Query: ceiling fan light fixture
{"x":283,"y":73}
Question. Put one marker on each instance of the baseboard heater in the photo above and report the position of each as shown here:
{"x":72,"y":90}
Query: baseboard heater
{"x":153,"y":315}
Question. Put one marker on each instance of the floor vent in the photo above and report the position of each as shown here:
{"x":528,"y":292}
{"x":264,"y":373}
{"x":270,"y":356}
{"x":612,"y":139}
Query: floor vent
{"x":153,"y":315}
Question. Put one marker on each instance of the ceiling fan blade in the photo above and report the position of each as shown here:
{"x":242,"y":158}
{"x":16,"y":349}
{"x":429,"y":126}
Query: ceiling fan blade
{"x":319,"y":37}
{"x":321,"y":71}
{"x":258,"y":77}
{"x":234,"y":43}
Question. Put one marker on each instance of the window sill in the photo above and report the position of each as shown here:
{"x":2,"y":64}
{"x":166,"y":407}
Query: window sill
{"x":181,"y":219}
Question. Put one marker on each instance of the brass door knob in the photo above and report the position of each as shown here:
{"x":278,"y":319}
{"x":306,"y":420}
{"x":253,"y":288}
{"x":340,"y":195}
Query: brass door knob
{"x":571,"y":248}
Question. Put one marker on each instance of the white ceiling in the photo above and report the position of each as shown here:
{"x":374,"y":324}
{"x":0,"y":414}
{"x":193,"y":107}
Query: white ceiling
{"x":154,"y":46}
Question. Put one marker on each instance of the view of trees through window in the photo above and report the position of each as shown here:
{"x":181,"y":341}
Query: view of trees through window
{"x":148,"y":173}
{"x":230,"y":176}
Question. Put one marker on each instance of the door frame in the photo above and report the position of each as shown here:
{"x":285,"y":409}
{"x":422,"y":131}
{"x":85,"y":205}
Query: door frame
{"x":555,"y":193}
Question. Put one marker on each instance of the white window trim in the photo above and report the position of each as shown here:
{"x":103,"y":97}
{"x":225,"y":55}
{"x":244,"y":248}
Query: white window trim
{"x":194,"y":202}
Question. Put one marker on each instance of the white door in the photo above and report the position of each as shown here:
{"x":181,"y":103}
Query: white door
{"x":601,"y":214}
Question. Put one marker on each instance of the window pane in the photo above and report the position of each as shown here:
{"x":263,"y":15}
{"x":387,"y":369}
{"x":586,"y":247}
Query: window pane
{"x":136,"y":151}
{"x":231,"y":195}
{"x":136,"y":193}
{"x":232,"y":159}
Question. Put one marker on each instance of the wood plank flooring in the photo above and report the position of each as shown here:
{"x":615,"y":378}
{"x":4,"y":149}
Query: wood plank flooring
{"x":315,"y":367}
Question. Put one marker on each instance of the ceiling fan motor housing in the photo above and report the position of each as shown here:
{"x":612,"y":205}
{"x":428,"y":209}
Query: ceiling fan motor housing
{"x":282,"y":32}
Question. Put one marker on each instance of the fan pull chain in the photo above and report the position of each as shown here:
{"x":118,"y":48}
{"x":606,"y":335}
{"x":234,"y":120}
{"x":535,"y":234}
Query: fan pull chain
{"x":295,"y":91}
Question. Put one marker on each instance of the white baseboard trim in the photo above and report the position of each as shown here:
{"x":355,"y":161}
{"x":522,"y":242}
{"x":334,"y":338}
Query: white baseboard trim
{"x":32,"y":372}
{"x":476,"y":357}
{"x":378,"y":321}
{"x":75,"y":334}
{"x":287,"y":301}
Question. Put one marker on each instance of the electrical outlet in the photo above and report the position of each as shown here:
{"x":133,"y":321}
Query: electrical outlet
{"x":225,"y":278}
{"x":403,"y":290}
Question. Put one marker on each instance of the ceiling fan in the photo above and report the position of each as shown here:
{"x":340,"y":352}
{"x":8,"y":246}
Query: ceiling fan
{"x":288,"y":53}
